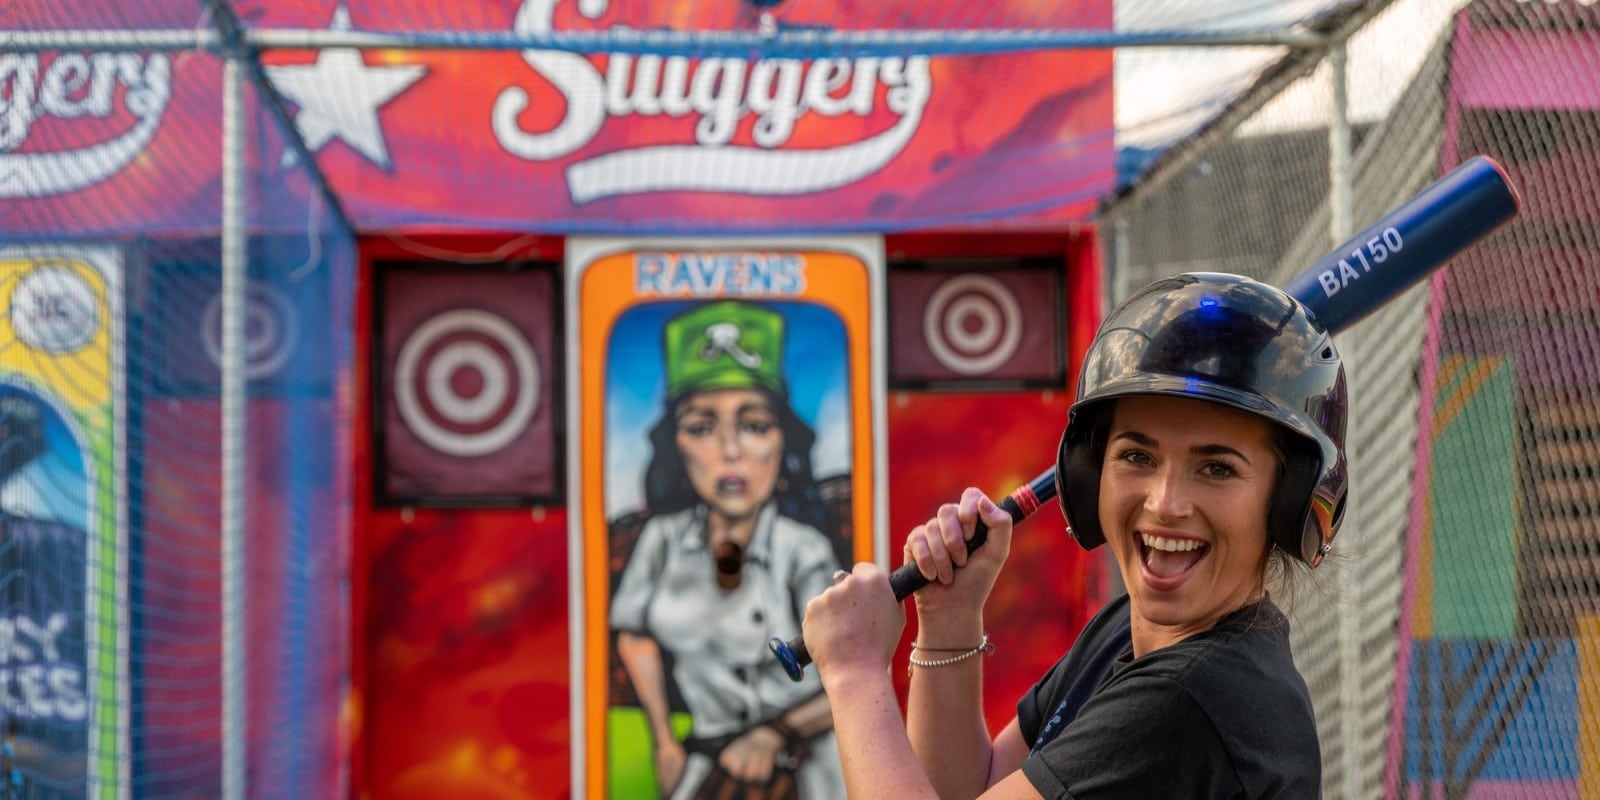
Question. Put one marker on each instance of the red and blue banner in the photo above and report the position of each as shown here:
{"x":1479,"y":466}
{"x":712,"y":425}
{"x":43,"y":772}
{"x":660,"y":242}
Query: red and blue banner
{"x":560,"y":142}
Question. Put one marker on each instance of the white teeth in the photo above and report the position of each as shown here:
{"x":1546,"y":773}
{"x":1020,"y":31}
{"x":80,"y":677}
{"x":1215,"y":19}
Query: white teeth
{"x":1169,"y":545}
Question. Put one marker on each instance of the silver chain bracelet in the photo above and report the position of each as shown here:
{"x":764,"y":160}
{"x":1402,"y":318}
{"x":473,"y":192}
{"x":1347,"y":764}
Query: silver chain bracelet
{"x":983,"y":647}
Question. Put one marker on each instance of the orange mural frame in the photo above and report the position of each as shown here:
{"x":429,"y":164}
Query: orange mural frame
{"x":843,"y":274}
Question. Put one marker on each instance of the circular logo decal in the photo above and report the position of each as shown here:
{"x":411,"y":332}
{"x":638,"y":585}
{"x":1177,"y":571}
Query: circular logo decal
{"x":53,"y":309}
{"x":270,"y":331}
{"x":466,"y":382}
{"x":973,"y":324}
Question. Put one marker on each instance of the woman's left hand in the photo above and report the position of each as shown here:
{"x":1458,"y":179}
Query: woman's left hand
{"x":856,"y":622}
{"x":750,"y":757}
{"x":959,"y":580}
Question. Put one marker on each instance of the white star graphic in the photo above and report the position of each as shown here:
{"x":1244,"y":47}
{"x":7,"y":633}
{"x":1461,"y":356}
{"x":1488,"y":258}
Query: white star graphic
{"x":339,"y":96}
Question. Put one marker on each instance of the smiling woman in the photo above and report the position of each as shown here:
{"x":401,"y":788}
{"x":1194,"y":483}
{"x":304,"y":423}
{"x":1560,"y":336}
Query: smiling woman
{"x":1206,"y":444}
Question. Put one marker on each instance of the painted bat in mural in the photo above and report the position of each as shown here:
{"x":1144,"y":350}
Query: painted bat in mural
{"x":1346,"y":285}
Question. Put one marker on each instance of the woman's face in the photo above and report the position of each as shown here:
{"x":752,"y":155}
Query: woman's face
{"x":732,"y":447}
{"x":1184,"y":494}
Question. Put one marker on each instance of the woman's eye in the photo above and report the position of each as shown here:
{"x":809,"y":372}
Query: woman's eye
{"x":1218,"y":469}
{"x":1133,"y":456}
{"x":696,"y":428}
{"x":758,"y":428}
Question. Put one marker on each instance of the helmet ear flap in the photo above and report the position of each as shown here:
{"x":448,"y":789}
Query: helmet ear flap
{"x":1078,"y":476}
{"x":1302,"y":514}
{"x":1320,"y":526}
{"x":1311,"y":550}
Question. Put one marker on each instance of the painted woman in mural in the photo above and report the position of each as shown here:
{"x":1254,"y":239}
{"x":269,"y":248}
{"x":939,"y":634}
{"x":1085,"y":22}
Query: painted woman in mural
{"x":729,"y":553}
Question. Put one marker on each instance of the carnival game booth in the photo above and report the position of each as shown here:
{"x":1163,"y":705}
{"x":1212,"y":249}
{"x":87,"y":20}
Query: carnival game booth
{"x":507,"y":551}
{"x":364,"y":359}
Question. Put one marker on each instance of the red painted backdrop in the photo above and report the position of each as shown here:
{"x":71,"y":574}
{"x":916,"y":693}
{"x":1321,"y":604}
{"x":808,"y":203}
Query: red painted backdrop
{"x":462,"y":652}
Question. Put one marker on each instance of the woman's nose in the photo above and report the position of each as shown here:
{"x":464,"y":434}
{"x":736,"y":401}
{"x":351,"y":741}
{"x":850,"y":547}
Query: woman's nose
{"x":1167,"y":496}
{"x":729,"y":436}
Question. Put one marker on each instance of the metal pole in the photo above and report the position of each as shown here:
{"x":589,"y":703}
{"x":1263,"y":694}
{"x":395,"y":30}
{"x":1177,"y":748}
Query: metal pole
{"x":1112,"y":290}
{"x":1340,"y":228}
{"x":794,"y":43}
{"x":233,"y":428}
{"x":1339,"y":178}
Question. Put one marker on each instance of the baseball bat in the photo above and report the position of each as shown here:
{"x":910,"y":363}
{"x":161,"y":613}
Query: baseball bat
{"x":1344,"y":286}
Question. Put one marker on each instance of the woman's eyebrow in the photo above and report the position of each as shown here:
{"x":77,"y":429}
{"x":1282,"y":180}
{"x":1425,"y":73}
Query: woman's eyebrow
{"x":693,"y":411}
{"x":1218,"y":450}
{"x":1200,"y":449}
{"x":1135,"y":437}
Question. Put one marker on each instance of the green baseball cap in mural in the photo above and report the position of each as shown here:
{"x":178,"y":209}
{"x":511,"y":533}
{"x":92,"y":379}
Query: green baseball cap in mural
{"x":724,"y":345}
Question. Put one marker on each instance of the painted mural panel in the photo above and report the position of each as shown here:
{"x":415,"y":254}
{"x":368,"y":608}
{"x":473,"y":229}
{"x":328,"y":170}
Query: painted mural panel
{"x":63,"y":695}
{"x":1496,"y":692}
{"x":727,"y":460}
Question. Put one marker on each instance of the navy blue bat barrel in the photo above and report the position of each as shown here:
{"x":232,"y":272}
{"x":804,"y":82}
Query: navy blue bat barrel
{"x":906,"y":580}
{"x":1407,"y":244}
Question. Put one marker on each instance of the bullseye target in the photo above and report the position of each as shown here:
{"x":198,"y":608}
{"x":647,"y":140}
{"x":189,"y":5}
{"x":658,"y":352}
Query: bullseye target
{"x":467,"y":382}
{"x":996,"y":324}
{"x":468,"y":412}
{"x":271,"y":330}
{"x":972,"y":324}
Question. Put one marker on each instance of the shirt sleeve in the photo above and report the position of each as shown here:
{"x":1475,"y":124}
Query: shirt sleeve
{"x":638,"y":582}
{"x":1140,"y":737}
{"x":1054,"y":701}
{"x":1031,"y":713}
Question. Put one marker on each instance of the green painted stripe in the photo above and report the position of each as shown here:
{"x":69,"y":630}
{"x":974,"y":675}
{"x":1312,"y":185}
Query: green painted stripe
{"x":1474,"y":503}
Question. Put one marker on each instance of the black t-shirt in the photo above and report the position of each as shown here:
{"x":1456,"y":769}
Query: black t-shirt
{"x":1221,"y":714}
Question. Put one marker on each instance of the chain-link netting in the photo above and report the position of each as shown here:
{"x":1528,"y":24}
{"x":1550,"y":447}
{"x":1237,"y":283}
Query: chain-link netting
{"x":1451,"y":645}
{"x":115,"y":440}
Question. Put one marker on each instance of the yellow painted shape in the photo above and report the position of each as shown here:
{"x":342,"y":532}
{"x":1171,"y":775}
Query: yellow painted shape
{"x":1450,"y":404}
{"x":1588,"y":642}
{"x":79,"y":377}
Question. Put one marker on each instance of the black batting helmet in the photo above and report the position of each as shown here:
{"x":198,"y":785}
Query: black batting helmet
{"x":1230,"y":340}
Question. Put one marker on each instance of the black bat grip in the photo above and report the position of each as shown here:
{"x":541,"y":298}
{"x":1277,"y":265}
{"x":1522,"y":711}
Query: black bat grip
{"x":906,"y":580}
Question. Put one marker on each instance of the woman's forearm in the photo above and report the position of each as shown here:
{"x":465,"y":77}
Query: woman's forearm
{"x":641,"y":659}
{"x":876,"y":757}
{"x":944,"y":707}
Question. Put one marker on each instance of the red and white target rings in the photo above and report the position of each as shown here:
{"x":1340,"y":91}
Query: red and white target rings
{"x":972,"y":324}
{"x":466,"y":382}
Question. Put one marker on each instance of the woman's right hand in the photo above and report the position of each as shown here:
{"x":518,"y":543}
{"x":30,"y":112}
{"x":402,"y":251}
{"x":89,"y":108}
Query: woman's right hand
{"x":670,"y":760}
{"x":959,"y":581}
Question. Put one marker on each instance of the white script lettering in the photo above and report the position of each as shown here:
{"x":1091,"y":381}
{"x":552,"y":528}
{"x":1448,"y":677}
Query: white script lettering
{"x":72,"y":86}
{"x":721,"y":92}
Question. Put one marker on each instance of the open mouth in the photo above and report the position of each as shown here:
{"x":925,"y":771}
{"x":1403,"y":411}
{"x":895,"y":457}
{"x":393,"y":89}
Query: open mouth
{"x":1169,"y":558}
{"x":731,"y":486}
